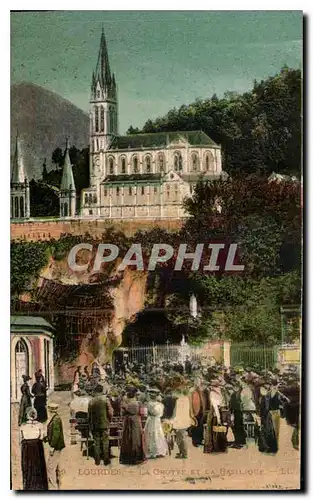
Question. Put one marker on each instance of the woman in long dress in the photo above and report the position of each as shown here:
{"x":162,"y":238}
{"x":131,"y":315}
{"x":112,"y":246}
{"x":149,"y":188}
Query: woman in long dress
{"x":132,"y":443}
{"x":34,"y":469}
{"x":154,"y":436}
{"x":270,"y":403}
{"x":26,"y":400}
{"x":215,"y":439}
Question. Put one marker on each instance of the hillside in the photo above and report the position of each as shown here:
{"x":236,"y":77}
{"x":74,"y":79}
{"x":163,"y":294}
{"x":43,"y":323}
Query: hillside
{"x":43,"y":120}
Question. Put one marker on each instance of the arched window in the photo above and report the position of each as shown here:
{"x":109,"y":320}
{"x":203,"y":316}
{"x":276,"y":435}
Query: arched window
{"x":209,"y":162}
{"x":142,"y":190}
{"x":96,"y":119}
{"x":117,"y":191}
{"x":194,"y":162}
{"x":86,"y":199}
{"x":21,"y":206}
{"x":161,"y":162}
{"x":148,"y":164}
{"x":61,"y":209}
{"x":102,"y":119}
{"x":65,"y":211}
{"x":130,"y":191}
{"x":123,"y":165}
{"x":90,"y":198}
{"x":16,"y":207}
{"x":21,"y":351}
{"x":111,"y":166}
{"x":135,"y":165}
{"x":178,"y":162}
{"x":94,"y":198}
{"x":111,"y":119}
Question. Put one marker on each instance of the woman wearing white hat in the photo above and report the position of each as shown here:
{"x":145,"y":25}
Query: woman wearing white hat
{"x":33,"y":458}
{"x":154,"y":436}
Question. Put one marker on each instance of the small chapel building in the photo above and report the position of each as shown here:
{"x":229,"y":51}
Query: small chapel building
{"x":31,"y":350}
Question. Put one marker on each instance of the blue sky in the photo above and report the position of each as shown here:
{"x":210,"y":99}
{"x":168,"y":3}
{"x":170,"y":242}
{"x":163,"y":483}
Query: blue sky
{"x":161,"y":59}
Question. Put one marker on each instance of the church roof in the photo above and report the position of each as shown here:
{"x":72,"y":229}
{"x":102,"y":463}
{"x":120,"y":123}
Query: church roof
{"x":195,"y":176}
{"x":19,"y":323}
{"x":67,"y":182}
{"x":161,"y":139}
{"x":132,"y":178}
{"x":18,"y":172}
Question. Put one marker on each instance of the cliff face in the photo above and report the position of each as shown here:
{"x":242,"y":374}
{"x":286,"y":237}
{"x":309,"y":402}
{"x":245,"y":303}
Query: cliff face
{"x":126,"y":292}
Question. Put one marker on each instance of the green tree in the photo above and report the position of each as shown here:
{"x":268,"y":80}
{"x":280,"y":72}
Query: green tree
{"x":58,"y":157}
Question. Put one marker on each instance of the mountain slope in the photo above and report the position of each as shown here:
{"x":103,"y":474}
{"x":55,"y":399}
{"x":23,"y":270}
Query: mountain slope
{"x":43,"y":120}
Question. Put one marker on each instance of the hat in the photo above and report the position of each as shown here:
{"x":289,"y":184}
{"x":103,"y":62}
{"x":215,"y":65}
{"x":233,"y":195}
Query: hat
{"x":31,"y":413}
{"x":53,"y":406}
{"x":26,"y":378}
{"x":153,"y":390}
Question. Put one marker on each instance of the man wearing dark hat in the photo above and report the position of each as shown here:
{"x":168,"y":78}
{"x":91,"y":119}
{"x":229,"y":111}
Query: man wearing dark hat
{"x":55,"y":438}
{"x":236,"y":411}
{"x":197,"y":409}
{"x":100,"y":413}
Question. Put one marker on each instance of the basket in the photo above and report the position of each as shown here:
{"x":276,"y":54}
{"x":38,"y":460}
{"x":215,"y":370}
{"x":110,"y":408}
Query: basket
{"x":167,"y":427}
{"x":219,"y":428}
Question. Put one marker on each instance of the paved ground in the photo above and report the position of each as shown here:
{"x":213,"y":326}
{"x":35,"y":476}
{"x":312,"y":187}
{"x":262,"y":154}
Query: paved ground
{"x":237,"y":469}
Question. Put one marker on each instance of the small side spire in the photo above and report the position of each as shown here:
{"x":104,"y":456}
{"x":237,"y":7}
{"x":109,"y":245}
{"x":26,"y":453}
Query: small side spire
{"x":67,"y":183}
{"x":18,"y":171}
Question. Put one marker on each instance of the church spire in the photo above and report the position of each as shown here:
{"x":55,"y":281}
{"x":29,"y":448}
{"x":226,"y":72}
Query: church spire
{"x":67,"y":183}
{"x":18,"y":172}
{"x":103,"y":73}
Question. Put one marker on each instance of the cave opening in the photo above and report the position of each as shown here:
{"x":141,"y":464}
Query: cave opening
{"x":151,"y":328}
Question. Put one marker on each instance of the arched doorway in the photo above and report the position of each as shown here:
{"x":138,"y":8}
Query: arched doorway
{"x":21,"y":363}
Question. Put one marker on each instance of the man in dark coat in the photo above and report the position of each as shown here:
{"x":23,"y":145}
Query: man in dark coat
{"x":236,"y":412}
{"x":39,"y":390}
{"x":55,"y":438}
{"x":100,"y":413}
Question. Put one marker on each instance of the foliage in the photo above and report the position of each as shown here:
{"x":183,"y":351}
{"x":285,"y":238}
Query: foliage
{"x":259,"y":131}
{"x":44,"y":200}
{"x":263,"y":218}
{"x":27,"y":260}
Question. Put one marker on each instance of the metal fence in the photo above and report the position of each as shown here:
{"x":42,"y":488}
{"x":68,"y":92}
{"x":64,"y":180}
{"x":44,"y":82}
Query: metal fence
{"x":160,"y":353}
{"x":240,"y":354}
{"x":248,"y":355}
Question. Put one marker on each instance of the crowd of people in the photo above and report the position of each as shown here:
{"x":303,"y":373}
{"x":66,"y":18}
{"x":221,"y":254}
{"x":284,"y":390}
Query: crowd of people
{"x":157,"y":406}
{"x":166,"y":402}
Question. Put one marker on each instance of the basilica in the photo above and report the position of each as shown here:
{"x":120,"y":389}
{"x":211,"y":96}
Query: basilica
{"x":143,"y":176}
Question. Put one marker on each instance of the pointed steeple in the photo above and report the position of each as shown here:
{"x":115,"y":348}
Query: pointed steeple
{"x":93,"y":81}
{"x":18,"y":172}
{"x":103,"y":73}
{"x":67,"y":183}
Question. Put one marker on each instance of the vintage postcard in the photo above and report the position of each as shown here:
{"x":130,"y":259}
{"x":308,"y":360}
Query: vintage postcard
{"x":156,"y":250}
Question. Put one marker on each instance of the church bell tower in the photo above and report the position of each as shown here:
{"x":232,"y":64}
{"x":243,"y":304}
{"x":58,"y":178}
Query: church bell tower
{"x":103,"y":113}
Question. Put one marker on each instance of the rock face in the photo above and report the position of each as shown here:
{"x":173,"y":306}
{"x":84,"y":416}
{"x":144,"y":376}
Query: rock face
{"x":126,"y":293}
{"x":43,"y":120}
